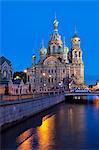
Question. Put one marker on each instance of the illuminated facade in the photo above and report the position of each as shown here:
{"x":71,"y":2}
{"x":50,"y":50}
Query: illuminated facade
{"x":57,"y":65}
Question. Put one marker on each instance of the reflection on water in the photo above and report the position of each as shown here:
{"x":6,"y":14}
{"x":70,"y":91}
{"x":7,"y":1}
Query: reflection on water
{"x":65,"y":126}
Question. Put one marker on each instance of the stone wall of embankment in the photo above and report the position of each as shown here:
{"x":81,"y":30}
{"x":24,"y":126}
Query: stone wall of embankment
{"x":11,"y":111}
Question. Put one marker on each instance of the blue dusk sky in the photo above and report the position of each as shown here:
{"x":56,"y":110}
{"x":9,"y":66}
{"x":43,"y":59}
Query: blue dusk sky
{"x":24,"y":24}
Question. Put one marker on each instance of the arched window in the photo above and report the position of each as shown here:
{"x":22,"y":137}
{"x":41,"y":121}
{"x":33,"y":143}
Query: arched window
{"x":49,"y":50}
{"x":49,"y":80}
{"x":53,"y":49}
{"x":28,"y":78}
{"x":5,"y":74}
{"x":58,"y":49}
{"x":79,"y":54}
{"x":75,"y":54}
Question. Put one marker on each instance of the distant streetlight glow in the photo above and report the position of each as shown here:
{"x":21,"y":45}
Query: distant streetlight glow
{"x":43,"y":73}
{"x":25,"y":71}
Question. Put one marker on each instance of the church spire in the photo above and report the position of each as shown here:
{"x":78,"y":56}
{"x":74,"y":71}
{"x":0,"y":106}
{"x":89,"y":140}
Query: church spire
{"x":64,"y":43}
{"x":42,"y":43}
{"x":64,"y":40}
{"x":55,"y":24}
{"x":75,"y":31}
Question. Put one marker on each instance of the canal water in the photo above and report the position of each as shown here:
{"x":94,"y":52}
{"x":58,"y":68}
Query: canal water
{"x":64,"y":126}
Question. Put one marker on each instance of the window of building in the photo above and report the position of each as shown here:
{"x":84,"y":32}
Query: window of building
{"x":41,"y":79}
{"x":75,"y":54}
{"x":63,"y":70}
{"x":16,"y":91}
{"x":58,"y":49}
{"x":53,"y":49}
{"x":5,"y":73}
{"x":28,"y":78}
{"x":79,"y":54}
{"x":49,"y":80}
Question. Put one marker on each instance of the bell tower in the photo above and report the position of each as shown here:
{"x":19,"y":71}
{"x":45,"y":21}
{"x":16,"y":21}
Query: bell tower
{"x":76,"y":59}
{"x":76,"y":50}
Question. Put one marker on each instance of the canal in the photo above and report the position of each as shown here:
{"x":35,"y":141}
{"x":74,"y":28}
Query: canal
{"x":64,"y":126}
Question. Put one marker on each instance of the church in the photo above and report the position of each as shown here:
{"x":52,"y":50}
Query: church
{"x":58,"y":67}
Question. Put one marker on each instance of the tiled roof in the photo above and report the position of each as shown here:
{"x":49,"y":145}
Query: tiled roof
{"x":3,"y":59}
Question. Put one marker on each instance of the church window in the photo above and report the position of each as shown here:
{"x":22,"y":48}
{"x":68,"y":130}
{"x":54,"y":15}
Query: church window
{"x":49,"y":80}
{"x":58,"y":49}
{"x":75,"y":54}
{"x":28,"y":78}
{"x":53,"y":49}
{"x":41,"y":79}
{"x":52,"y":71}
{"x":79,"y":54}
{"x":16,"y":91}
{"x":63,"y":70}
{"x":5,"y":74}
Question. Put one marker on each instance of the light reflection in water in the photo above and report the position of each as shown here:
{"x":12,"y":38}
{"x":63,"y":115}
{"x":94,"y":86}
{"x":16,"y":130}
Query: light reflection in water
{"x":65,"y":126}
{"x":38,"y":138}
{"x":25,"y":140}
{"x":46,"y":132}
{"x":96,"y":101}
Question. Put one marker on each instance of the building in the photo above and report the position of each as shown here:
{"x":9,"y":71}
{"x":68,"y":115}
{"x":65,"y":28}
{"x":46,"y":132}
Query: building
{"x":17,"y":87}
{"x":5,"y":73}
{"x":8,"y":85}
{"x":57,"y":66}
{"x":5,"y":70}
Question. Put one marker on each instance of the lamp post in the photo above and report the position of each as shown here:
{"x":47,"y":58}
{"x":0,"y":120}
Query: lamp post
{"x":43,"y":80}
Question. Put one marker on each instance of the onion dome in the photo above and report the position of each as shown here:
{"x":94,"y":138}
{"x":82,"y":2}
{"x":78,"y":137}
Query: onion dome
{"x":75,"y":37}
{"x":43,"y":50}
{"x":33,"y":56}
{"x":55,"y":37}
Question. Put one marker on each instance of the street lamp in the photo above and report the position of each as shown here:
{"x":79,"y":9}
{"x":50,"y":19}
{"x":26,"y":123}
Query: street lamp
{"x":25,"y":71}
{"x":43,"y":73}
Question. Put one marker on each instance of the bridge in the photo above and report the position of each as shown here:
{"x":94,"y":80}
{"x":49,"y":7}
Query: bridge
{"x":82,"y":94}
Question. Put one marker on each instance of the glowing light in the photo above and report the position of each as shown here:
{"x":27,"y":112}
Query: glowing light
{"x":17,"y":77}
{"x":43,"y":73}
{"x":45,"y":132}
{"x":25,"y":71}
{"x":25,"y":140}
{"x":50,"y":76}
